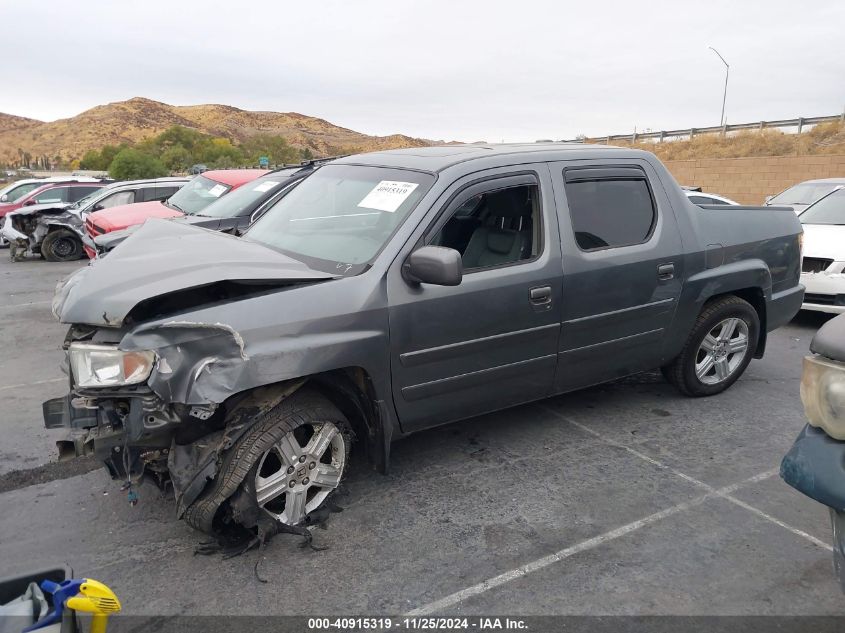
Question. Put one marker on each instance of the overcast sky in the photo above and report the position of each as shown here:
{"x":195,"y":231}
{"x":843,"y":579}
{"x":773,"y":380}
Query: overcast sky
{"x":465,"y":70}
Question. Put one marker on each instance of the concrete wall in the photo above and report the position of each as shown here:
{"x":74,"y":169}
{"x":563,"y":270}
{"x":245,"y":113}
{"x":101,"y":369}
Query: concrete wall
{"x":750,"y":180}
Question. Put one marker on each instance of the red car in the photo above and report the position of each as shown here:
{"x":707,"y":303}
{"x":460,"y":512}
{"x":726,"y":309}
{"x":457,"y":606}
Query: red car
{"x":52,"y":192}
{"x":190,"y":199}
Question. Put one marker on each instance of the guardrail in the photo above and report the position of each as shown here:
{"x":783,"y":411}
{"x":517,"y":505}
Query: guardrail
{"x":662,"y":135}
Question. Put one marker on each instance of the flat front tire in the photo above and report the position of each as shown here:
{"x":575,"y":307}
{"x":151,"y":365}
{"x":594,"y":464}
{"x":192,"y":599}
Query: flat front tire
{"x":61,"y":246}
{"x":293,"y":459}
{"x":718,"y":349}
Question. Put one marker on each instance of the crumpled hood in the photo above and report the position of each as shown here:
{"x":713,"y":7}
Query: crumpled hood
{"x":107,"y":241}
{"x":165,"y":257}
{"x":826,"y":241}
{"x":37,"y":208}
{"x":124,"y":215}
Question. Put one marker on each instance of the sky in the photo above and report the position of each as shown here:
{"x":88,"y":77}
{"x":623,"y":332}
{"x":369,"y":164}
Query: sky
{"x":462,"y":70}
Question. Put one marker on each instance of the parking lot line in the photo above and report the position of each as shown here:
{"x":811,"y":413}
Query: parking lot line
{"x":29,"y":384}
{"x":692,"y":480}
{"x":523,"y":570}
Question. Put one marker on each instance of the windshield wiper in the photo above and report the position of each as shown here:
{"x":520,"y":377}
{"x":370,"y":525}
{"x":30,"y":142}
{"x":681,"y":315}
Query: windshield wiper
{"x":172,"y":205}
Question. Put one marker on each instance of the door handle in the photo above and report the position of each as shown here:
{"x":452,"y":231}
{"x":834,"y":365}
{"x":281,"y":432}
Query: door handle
{"x":540,"y":295}
{"x":666,"y":271}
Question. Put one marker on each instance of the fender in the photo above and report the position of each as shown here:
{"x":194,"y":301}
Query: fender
{"x":53,"y":225}
{"x":742,"y":277}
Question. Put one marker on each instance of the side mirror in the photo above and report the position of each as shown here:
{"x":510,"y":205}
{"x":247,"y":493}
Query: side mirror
{"x":4,"y":197}
{"x":98,"y":207}
{"x":29,"y":203}
{"x":434,"y":265}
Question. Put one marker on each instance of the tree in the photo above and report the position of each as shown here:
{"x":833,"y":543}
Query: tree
{"x":91,"y":160}
{"x":275,"y":148}
{"x":220,"y":153}
{"x":177,"y":158}
{"x":130,"y":164}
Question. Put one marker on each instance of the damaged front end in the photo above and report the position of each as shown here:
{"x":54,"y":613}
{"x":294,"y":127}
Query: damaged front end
{"x":28,"y":228}
{"x":153,"y":393}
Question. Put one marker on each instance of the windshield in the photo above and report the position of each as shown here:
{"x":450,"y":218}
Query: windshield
{"x":829,"y":210}
{"x":805,"y":193}
{"x":340,"y":217}
{"x":235,"y":203}
{"x":16,"y":193}
{"x":197,"y":194}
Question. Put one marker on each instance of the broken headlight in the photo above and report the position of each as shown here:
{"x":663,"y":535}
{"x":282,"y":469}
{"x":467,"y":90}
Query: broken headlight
{"x":106,"y":366}
{"x":823,"y":394}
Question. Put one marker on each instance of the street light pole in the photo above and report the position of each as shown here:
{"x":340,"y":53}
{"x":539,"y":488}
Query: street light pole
{"x":725,"y":95}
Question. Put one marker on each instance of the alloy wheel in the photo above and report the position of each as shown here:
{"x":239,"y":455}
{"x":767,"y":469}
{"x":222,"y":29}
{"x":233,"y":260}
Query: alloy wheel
{"x":297,"y":474}
{"x":722,"y":351}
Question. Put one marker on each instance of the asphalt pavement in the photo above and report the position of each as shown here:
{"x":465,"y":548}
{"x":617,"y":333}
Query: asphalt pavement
{"x":626,"y":498}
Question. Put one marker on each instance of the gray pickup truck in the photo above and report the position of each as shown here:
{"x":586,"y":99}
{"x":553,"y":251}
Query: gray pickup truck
{"x":396,"y":291}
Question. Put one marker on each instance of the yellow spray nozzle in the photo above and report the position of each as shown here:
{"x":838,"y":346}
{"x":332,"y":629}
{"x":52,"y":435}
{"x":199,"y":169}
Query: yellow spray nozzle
{"x":94,"y":597}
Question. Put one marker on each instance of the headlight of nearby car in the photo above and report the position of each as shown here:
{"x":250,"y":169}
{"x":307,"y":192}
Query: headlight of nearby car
{"x":823,"y":394}
{"x":107,"y":366}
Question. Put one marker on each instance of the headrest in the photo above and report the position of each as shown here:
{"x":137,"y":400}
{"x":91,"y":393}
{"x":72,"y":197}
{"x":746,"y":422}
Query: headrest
{"x":508,"y":203}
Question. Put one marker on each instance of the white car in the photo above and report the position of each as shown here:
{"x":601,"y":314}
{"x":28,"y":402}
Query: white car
{"x":823,"y":265}
{"x":804,"y":194}
{"x":699,"y":197}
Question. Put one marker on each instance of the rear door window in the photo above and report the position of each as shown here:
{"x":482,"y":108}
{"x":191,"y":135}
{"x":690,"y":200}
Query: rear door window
{"x":609,"y":208}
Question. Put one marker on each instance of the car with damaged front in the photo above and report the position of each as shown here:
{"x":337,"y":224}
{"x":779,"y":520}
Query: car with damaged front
{"x":56,"y":230}
{"x":395,"y":291}
{"x":815,"y":465}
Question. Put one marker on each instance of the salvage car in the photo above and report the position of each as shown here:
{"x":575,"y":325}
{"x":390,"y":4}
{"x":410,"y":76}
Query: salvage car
{"x":11,"y":192}
{"x":198,"y":194}
{"x":397,"y":291}
{"x":823,"y":266}
{"x":232,"y":213}
{"x":815,"y":465}
{"x":56,"y":230}
{"x":802,"y":195}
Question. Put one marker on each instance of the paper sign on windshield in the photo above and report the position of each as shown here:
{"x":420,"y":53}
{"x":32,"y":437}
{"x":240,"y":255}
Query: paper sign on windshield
{"x":266,"y":185}
{"x":388,"y":195}
{"x":217,"y":190}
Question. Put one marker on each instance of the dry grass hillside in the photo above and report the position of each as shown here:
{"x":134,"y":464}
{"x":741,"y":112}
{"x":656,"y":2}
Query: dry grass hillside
{"x":12,"y":122}
{"x":138,"y":118}
{"x":826,"y":138}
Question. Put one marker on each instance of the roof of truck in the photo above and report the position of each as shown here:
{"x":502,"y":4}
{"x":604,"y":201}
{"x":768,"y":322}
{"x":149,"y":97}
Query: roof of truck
{"x":440,"y":157}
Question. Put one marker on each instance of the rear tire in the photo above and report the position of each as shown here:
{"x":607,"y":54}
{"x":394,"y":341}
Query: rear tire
{"x":305,"y":412}
{"x":61,"y":245}
{"x":718,"y":349}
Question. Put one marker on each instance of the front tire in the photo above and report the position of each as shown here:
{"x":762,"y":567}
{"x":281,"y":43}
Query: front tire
{"x":61,"y":246}
{"x":291,"y":462}
{"x":718,"y":350}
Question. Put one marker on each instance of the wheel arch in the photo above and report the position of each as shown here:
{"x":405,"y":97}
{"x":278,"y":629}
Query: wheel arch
{"x":350,"y":389}
{"x":749,"y":280}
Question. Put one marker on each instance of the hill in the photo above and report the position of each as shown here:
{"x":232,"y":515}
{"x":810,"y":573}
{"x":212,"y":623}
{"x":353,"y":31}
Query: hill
{"x":12,"y":122}
{"x":139,"y":118}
